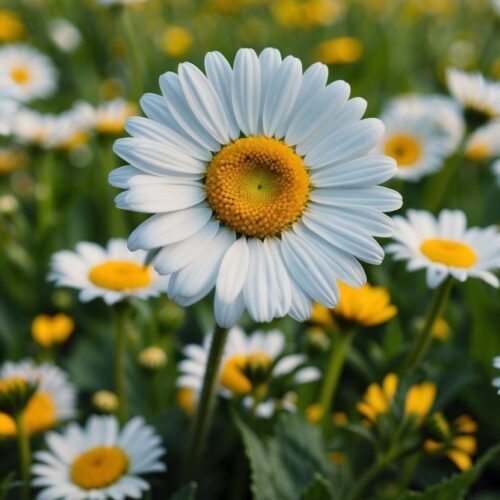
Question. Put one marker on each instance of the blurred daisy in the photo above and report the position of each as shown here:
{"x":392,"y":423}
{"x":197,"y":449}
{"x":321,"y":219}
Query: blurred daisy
{"x":32,"y":73}
{"x":32,"y":127}
{"x":484,"y":143}
{"x":261,"y":184}
{"x":112,"y":273}
{"x":367,"y":306}
{"x":12,"y":158}
{"x":52,"y":402}
{"x":474,"y":92}
{"x":414,"y":140}
{"x":98,"y":461}
{"x":444,"y":246}
{"x":64,"y":34}
{"x":67,"y":131}
{"x":107,"y":118}
{"x":8,"y":102}
{"x":249,"y":365}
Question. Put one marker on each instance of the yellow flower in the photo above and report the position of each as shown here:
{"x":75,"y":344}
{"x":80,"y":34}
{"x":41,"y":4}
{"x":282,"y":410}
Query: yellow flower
{"x":366,"y":306}
{"x":186,"y":399}
{"x":105,"y":401}
{"x":11,"y":158}
{"x":339,"y":419}
{"x":176,"y":41}
{"x":314,"y":412}
{"x":419,"y":400}
{"x":459,"y":445}
{"x":152,"y":358}
{"x":441,"y":330}
{"x":378,"y":398}
{"x":306,"y":13}
{"x":342,"y":50}
{"x":49,"y":330}
{"x":11,"y":27}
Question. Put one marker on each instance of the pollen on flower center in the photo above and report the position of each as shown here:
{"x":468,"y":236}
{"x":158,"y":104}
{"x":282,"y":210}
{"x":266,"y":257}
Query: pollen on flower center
{"x":20,"y":75}
{"x":403,"y":148}
{"x":120,"y":275}
{"x":241,"y":373}
{"x":258,"y":186}
{"x":99,"y":467}
{"x":449,"y":253}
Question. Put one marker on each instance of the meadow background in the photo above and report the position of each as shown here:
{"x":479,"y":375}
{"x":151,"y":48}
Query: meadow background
{"x":53,"y":198}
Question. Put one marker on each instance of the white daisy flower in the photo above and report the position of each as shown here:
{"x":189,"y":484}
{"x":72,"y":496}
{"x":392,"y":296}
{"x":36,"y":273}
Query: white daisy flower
{"x":64,"y":34}
{"x":474,"y":92}
{"x":414,"y":139}
{"x":113,"y":273}
{"x":249,"y":363}
{"x":29,"y":70}
{"x":32,"y":127}
{"x":261,"y":184}
{"x":8,"y":102}
{"x":98,"y":461}
{"x":108,"y":117}
{"x":53,"y":401}
{"x":444,"y":246}
{"x":484,"y":142}
{"x":495,"y":168}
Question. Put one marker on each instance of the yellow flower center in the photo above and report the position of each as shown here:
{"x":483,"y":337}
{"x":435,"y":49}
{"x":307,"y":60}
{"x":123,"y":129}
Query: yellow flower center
{"x":99,"y":467}
{"x":241,"y":373}
{"x":120,"y":275}
{"x":478,"y":152}
{"x":404,"y":148}
{"x":20,"y":75}
{"x":449,"y":253}
{"x":258,"y":186}
{"x":39,"y":415}
{"x":110,"y":126}
{"x":8,"y":385}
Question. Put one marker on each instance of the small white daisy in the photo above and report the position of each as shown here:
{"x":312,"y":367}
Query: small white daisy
{"x":261,"y":184}
{"x":52,"y":403}
{"x":32,"y":127}
{"x":29,"y":70}
{"x":415,"y":139}
{"x":484,"y":142}
{"x":249,"y":364}
{"x":66,"y":131}
{"x":474,"y":92}
{"x":108,"y":117}
{"x":98,"y":461}
{"x":444,"y":246}
{"x":64,"y":34}
{"x":112,"y":273}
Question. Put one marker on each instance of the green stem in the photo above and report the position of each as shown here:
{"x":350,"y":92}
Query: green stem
{"x":377,"y":467}
{"x":206,"y":403}
{"x":119,"y":360}
{"x":424,"y":339}
{"x":23,"y":444}
{"x":333,"y":371}
{"x":134,"y":53}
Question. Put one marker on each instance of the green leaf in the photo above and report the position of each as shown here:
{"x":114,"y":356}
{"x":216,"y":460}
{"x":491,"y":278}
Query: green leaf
{"x":455,"y":487}
{"x":319,"y":489}
{"x":5,"y":484}
{"x":186,"y":492}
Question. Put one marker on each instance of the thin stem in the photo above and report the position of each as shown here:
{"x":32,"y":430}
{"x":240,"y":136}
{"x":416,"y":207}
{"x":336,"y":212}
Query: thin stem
{"x":134,"y":53}
{"x":119,"y":360}
{"x":206,"y":403}
{"x":377,"y":467}
{"x":333,"y":371}
{"x":23,"y":444}
{"x":424,"y":339}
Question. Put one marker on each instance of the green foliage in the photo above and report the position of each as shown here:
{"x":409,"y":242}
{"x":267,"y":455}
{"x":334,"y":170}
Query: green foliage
{"x":456,"y":486}
{"x":319,"y":489}
{"x":188,"y":492}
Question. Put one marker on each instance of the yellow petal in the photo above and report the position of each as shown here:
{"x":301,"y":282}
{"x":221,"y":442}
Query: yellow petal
{"x":461,"y":459}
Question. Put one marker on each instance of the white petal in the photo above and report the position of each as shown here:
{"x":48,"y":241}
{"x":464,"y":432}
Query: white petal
{"x":436,"y":274}
{"x":307,"y":374}
{"x":120,"y":176}
{"x":163,"y":229}
{"x":227,"y":314}
{"x":246,"y":90}
{"x":287,"y":364}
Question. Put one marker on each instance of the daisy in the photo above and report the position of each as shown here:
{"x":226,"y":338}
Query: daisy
{"x":107,"y":118}
{"x":417,"y":142}
{"x":444,"y":246}
{"x":33,"y":128}
{"x":113,"y":273}
{"x":52,"y":402}
{"x":484,"y":142}
{"x":249,"y":365}
{"x":260,"y":182}
{"x":32,"y":73}
{"x":98,"y":461}
{"x":68,"y":130}
{"x":474,"y":92}
{"x":8,"y":102}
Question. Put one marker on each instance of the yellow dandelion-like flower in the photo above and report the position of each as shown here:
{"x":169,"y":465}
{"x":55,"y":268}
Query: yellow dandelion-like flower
{"x":49,"y":330}
{"x":378,"y":398}
{"x":176,"y":41}
{"x":419,"y":400}
{"x":11,"y":26}
{"x":341,"y":50}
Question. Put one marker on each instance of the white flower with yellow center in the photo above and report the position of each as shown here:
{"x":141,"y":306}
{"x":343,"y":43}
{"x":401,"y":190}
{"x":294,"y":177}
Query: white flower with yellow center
{"x":484,"y":143}
{"x":250,"y":364}
{"x":444,"y":246}
{"x":474,"y":92}
{"x":98,"y":461}
{"x":260,"y":182}
{"x":108,"y":118}
{"x":414,"y":139}
{"x":112,"y":273}
{"x":53,"y":401}
{"x":32,"y":73}
{"x":32,"y":127}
